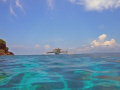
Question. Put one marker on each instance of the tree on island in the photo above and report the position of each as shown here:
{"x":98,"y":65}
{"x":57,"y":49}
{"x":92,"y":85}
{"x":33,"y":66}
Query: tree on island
{"x":2,"y":44}
{"x":4,"y":49}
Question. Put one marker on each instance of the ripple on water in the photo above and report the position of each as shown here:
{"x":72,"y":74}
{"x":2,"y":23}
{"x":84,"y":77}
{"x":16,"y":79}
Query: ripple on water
{"x":60,"y":72}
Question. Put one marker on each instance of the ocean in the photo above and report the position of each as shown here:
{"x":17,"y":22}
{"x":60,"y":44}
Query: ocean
{"x":60,"y":72}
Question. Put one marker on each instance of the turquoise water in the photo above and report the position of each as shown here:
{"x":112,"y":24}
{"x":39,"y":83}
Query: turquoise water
{"x":60,"y":72}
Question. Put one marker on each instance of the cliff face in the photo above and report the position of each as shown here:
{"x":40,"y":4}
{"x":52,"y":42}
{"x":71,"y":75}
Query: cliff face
{"x":4,"y":49}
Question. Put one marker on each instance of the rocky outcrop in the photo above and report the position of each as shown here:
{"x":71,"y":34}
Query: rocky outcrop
{"x":4,"y":49}
{"x":6,"y":53}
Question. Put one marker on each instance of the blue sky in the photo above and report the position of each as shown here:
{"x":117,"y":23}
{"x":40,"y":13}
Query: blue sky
{"x":81,"y":26}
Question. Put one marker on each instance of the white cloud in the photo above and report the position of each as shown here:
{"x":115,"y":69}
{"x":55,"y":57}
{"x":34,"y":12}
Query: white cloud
{"x":37,"y":46}
{"x":50,"y":4}
{"x":96,"y":43}
{"x":99,"y":45}
{"x":83,"y":49}
{"x":98,"y":5}
{"x":101,"y":42}
{"x":19,"y":5}
{"x":102,"y":37}
{"x":47,"y":47}
{"x":11,"y":11}
{"x":111,"y":43}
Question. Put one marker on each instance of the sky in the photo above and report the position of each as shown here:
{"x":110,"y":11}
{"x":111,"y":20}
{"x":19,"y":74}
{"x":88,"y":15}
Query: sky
{"x":32,"y":27}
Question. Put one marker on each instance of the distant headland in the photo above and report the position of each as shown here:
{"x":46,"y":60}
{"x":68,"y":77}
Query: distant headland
{"x":57,"y":51}
{"x":4,"y":49}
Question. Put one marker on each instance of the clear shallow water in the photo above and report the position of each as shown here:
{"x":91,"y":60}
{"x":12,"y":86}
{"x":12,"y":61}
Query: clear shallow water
{"x":60,"y":72}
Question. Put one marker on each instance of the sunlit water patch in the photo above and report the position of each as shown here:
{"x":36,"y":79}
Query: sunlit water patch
{"x":60,"y":72}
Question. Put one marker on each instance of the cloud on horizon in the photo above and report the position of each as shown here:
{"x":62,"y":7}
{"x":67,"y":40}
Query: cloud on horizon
{"x":98,"y":5}
{"x":99,"y":45}
{"x":101,"y":42}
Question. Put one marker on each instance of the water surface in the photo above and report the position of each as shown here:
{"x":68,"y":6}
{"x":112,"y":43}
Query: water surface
{"x":60,"y":72}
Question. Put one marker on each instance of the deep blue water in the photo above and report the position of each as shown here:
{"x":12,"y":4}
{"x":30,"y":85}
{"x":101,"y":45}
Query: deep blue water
{"x":60,"y":72}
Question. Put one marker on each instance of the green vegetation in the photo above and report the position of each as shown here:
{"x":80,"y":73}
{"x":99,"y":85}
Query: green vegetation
{"x":4,"y":49}
{"x":2,"y":44}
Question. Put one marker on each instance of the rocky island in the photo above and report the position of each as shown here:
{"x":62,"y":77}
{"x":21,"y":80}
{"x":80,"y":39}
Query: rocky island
{"x":4,"y":49}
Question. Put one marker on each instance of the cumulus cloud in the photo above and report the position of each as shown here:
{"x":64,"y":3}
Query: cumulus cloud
{"x":98,"y":5}
{"x":102,"y":42}
{"x":50,"y":4}
{"x":37,"y":46}
{"x":102,"y":37}
{"x":12,"y":11}
{"x":19,"y":5}
{"x":47,"y":47}
{"x":99,"y":45}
